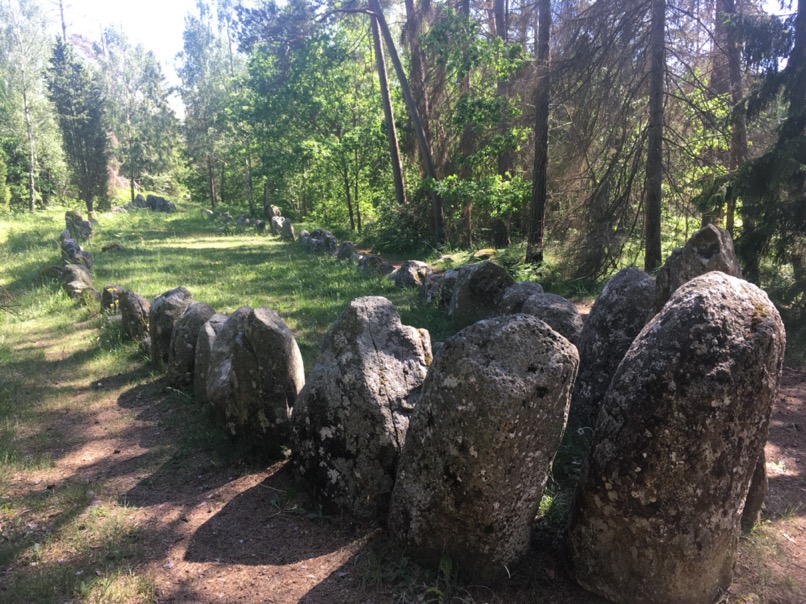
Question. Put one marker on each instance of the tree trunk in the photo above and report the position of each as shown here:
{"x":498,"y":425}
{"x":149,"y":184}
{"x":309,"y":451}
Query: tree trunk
{"x":345,"y":173}
{"x":467,"y":146}
{"x":29,"y":129}
{"x":250,"y":198}
{"x":413,"y":30}
{"x":437,"y":222}
{"x":211,"y":182}
{"x":266,"y":200}
{"x":502,"y":86}
{"x":391,"y":130}
{"x":537,"y":214}
{"x":355,"y":190}
{"x":738,"y":141}
{"x":654,"y":160}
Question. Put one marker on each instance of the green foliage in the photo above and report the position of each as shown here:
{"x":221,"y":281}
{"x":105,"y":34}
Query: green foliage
{"x":5,"y":194}
{"x":77,"y":96}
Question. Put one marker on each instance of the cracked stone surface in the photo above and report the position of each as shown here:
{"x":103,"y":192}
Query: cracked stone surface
{"x":350,"y":420}
{"x":163,"y":315}
{"x":481,"y":442}
{"x":657,"y":514}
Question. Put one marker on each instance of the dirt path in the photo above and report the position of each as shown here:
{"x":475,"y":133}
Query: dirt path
{"x":235,"y":532}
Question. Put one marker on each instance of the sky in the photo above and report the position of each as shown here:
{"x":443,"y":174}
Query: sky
{"x":156,"y":24}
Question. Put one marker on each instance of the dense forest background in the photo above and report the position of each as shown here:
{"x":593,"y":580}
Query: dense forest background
{"x":591,"y":134}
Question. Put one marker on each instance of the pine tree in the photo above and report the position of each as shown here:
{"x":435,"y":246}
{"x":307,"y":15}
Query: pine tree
{"x":76,"y":94}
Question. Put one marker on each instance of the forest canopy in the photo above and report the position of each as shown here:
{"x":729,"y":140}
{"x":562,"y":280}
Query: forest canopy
{"x":593,"y":134}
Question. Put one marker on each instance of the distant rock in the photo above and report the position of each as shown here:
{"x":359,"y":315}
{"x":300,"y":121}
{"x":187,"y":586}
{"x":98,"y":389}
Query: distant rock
{"x":709,"y":249}
{"x":478,"y":292}
{"x":372,"y":263}
{"x":559,"y":313}
{"x":134,"y":313}
{"x":412,"y":273}
{"x":516,"y":295}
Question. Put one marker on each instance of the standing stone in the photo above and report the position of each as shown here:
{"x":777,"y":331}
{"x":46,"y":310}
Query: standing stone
{"x":478,"y":292}
{"x":481,"y":442}
{"x":514,"y":297}
{"x":350,"y":420}
{"x":559,"y":313}
{"x":618,"y":315}
{"x":260,"y":226}
{"x":182,"y":352}
{"x":134,"y":315}
{"x":709,"y":249}
{"x":287,"y":231}
{"x":255,"y":373}
{"x":165,"y":311}
{"x":204,"y":348}
{"x":79,"y":229}
{"x":657,"y":513}
{"x":276,"y":225}
{"x":110,"y":298}
{"x":412,"y":273}
{"x":346,"y":251}
{"x":372,"y":263}
{"x":274,"y":211}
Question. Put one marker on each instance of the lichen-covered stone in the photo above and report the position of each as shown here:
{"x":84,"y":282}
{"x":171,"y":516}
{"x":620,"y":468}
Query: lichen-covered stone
{"x":201,"y":360}
{"x":372,"y":263}
{"x":481,"y":442}
{"x":79,"y":229}
{"x":516,"y":295}
{"x":276,"y":224}
{"x":620,"y":312}
{"x":182,"y":351}
{"x":76,"y":273}
{"x":657,"y":513}
{"x":412,"y":273}
{"x":165,"y":311}
{"x":559,"y":313}
{"x":709,"y":249}
{"x":254,"y":375}
{"x":478,"y":292}
{"x":350,"y":420}
{"x":134,"y":315}
{"x":287,"y":231}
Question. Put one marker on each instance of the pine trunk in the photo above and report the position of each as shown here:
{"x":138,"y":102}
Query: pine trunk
{"x":654,"y":160}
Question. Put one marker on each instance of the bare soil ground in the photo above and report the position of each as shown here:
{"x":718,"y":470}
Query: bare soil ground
{"x":245,"y":532}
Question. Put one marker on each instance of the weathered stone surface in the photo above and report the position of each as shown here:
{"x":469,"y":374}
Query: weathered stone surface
{"x":514,"y":297}
{"x":684,"y":420}
{"x":481,"y":442}
{"x":76,"y":273}
{"x":320,"y":241}
{"x":134,"y":313}
{"x":255,"y":373}
{"x":165,"y":311}
{"x":73,"y":254}
{"x":160,"y":204}
{"x":372,"y":263}
{"x":346,"y":251}
{"x":751,"y":514}
{"x":79,"y":290}
{"x":110,"y":298}
{"x":351,"y":418}
{"x":412,"y":273}
{"x":79,"y":229}
{"x":276,"y":225}
{"x":274,"y":211}
{"x":260,"y":226}
{"x":182,"y":352}
{"x":625,"y":305}
{"x":478,"y":292}
{"x":204,"y":348}
{"x":709,"y":249}
{"x":287,"y":232}
{"x":559,"y":313}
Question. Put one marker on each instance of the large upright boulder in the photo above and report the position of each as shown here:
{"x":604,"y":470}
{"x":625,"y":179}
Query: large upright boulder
{"x":346,"y":251}
{"x":110,"y":298}
{"x":182,"y":351}
{"x":134,"y":310}
{"x":276,"y":224}
{"x":287,"y":231}
{"x":481,"y":442}
{"x":478,"y":292}
{"x":165,"y":311}
{"x":79,"y":229}
{"x":617,"y":316}
{"x":559,"y":313}
{"x":709,"y":249}
{"x":203,"y":355}
{"x":350,"y":420}
{"x":254,"y":375}
{"x":657,"y":513}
